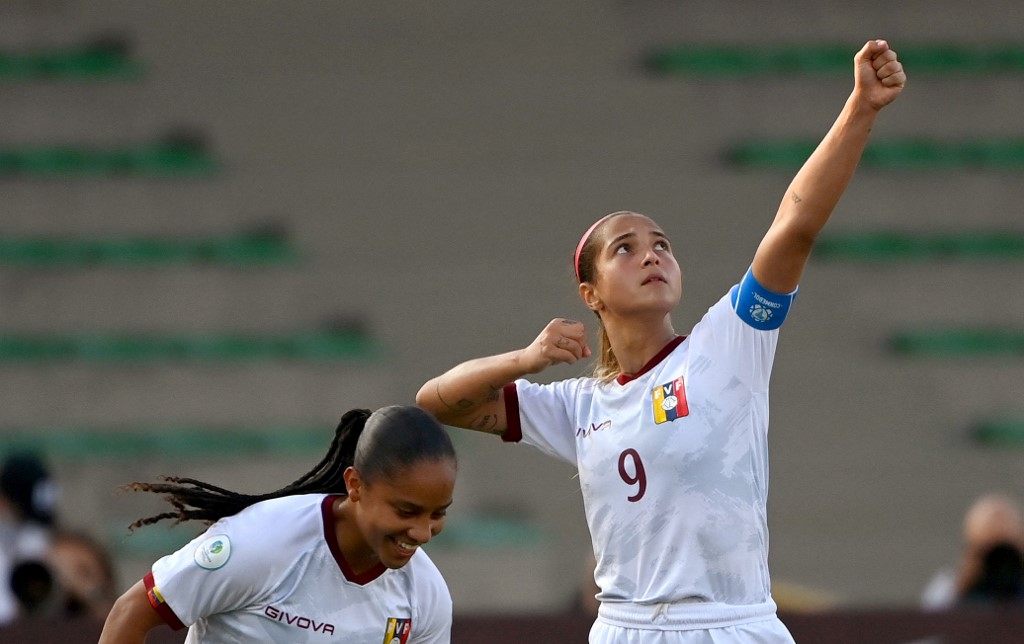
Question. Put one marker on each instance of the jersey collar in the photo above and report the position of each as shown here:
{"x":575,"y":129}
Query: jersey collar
{"x":331,"y":536}
{"x":625,"y":378}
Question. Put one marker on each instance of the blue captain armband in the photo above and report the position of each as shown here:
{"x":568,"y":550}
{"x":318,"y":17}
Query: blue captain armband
{"x":757,"y":306}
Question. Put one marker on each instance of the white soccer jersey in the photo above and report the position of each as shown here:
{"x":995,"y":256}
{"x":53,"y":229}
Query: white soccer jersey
{"x":673,"y":466}
{"x":274,"y":573}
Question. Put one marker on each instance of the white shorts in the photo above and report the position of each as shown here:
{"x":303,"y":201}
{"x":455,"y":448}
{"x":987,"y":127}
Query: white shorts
{"x":688,"y":623}
{"x":768,"y":631}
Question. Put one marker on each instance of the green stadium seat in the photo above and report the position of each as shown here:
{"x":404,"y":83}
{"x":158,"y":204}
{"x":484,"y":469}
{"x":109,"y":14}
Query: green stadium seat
{"x":959,"y":342}
{"x":717,"y":61}
{"x":167,"y":158}
{"x":82,"y":444}
{"x":999,"y":432}
{"x":895,"y":246}
{"x":149,"y":542}
{"x":898,"y":154}
{"x":104,"y":59}
{"x":487,"y":532}
{"x":317,"y":345}
{"x":244,"y":249}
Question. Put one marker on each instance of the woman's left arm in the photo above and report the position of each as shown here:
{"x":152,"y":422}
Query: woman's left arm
{"x":131,"y":618}
{"x":814,"y":192}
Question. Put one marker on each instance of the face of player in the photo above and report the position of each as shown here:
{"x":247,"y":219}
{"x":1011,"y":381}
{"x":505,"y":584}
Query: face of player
{"x":398,"y":514}
{"x":636,"y":272}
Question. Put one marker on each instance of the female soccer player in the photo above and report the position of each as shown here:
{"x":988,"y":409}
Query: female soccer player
{"x":669,"y":435}
{"x":333,"y":556}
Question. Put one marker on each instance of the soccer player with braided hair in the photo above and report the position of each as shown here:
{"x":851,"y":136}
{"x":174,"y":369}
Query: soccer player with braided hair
{"x":334,"y":555}
{"x":670,"y":435}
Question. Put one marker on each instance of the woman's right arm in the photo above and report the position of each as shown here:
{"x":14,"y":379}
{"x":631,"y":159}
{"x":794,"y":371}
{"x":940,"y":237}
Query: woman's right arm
{"x":470,"y":394}
{"x":131,"y":618}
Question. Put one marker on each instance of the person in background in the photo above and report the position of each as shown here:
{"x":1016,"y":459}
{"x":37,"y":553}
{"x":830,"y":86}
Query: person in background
{"x":28,"y":500}
{"x":334,"y":556}
{"x":990,"y":566}
{"x":670,"y":434}
{"x":85,"y":582}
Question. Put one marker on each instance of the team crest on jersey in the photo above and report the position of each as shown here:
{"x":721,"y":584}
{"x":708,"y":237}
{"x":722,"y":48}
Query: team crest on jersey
{"x":669,"y":401}
{"x":398,"y":630}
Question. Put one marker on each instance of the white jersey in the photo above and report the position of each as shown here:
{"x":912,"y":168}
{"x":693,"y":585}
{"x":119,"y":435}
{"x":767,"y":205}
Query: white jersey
{"x":673,"y":466}
{"x":274,"y":573}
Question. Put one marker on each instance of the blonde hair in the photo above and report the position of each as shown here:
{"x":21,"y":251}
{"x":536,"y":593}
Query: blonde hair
{"x":607,"y":366}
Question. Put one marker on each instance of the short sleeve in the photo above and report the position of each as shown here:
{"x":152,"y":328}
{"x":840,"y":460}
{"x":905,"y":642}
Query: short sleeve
{"x":746,"y":345}
{"x":544,"y":416}
{"x":225,"y":568}
{"x":434,"y":602}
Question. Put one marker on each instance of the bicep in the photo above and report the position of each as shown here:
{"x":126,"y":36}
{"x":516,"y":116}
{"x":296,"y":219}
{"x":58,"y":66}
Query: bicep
{"x":131,"y":618}
{"x":781,"y":257}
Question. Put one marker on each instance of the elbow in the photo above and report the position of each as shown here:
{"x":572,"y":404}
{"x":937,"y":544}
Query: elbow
{"x":428,"y":399}
{"x":425,"y":399}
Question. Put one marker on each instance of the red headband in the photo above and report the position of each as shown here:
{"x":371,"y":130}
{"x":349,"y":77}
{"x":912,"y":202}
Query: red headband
{"x":583,"y":242}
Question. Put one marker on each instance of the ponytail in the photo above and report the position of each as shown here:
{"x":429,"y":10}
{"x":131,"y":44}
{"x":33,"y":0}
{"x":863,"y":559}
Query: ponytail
{"x":194,"y":500}
{"x":607,"y":366}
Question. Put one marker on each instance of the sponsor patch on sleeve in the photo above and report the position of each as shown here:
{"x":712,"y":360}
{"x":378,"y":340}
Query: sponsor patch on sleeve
{"x":213,"y":552}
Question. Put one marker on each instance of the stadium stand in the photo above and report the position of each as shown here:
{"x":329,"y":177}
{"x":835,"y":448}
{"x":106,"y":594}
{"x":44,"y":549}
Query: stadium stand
{"x":418,"y":155}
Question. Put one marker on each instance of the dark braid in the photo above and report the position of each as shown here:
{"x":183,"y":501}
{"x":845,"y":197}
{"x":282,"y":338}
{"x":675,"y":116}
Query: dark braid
{"x":194,"y":500}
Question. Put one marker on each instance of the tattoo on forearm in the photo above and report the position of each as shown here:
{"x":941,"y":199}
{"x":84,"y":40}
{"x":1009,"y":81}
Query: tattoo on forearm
{"x":796,"y":198}
{"x":460,"y":406}
{"x":486,"y":423}
{"x":466,"y":404}
{"x":567,"y":321}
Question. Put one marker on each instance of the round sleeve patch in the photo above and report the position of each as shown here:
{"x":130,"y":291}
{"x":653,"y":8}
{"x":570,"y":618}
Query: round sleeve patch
{"x":213,"y":552}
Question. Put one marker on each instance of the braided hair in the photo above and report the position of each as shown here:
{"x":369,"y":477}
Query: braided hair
{"x":377,"y":444}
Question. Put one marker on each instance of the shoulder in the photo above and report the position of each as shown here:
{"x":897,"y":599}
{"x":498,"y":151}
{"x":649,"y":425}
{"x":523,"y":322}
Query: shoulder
{"x":566,"y":387}
{"x":270,"y":534}
{"x":433,"y":599}
{"x":428,"y":584}
{"x":268,"y":523}
{"x":426,"y":573}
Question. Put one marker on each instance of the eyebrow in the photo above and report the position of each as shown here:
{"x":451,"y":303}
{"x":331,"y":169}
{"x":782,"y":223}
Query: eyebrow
{"x":414,"y":507}
{"x":624,"y":236}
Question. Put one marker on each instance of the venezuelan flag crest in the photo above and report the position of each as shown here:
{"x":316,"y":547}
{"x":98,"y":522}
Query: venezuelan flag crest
{"x":669,"y":401}
{"x":398,"y":630}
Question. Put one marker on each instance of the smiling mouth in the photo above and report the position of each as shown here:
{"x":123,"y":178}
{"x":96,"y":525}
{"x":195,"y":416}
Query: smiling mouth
{"x":405,"y":547}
